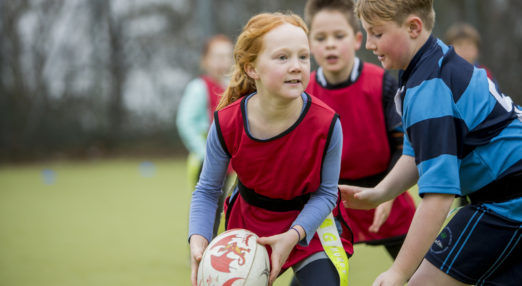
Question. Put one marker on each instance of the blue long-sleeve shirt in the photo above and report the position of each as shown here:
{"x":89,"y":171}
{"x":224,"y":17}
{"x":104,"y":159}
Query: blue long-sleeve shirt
{"x":209,"y":188}
{"x":192,"y":118}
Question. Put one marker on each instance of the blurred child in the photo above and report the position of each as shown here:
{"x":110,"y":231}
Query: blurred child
{"x":466,"y":41}
{"x":285,"y":147}
{"x":362,"y":94}
{"x":462,"y":137}
{"x":198,"y":103}
{"x":200,"y":99}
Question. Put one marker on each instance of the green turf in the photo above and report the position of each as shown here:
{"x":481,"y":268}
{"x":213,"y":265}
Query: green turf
{"x":105,"y":223}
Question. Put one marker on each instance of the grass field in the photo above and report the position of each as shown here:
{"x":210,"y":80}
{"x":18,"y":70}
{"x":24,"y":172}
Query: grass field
{"x":109,"y":223}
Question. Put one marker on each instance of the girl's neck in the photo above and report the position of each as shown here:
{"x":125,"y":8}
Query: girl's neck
{"x":277,"y":108}
{"x":269,"y":117}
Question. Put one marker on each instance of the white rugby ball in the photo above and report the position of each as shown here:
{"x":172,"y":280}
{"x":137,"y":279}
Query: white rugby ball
{"x":234,"y":258}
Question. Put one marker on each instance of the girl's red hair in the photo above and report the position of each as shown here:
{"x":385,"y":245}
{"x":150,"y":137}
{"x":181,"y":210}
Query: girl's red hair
{"x":248,"y":46}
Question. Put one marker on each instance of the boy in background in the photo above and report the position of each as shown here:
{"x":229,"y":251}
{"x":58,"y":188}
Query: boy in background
{"x":465,"y":39}
{"x":362,"y":94}
{"x":463,"y":137}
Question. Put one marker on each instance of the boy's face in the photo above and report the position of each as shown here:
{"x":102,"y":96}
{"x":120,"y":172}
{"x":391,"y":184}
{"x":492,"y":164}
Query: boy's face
{"x":467,"y":49}
{"x":333,"y":44}
{"x":390,"y":42}
{"x":282,"y":68}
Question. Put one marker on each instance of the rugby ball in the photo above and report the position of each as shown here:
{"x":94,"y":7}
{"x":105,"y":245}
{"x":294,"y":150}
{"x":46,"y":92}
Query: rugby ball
{"x":234,"y":258}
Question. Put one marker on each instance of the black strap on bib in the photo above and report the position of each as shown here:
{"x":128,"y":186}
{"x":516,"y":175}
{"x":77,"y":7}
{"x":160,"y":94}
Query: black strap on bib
{"x":366,"y":182}
{"x":276,"y":205}
{"x":504,"y":189}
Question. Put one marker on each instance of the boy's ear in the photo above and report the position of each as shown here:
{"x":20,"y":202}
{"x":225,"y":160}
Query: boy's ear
{"x":358,"y":40}
{"x":251,"y":71}
{"x":414,"y":25}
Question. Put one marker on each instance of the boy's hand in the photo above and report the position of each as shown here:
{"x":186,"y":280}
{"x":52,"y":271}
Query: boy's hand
{"x":198,"y":244}
{"x":381,"y":214}
{"x":359,"y":198}
{"x":389,"y":278}
{"x":281,"y":244}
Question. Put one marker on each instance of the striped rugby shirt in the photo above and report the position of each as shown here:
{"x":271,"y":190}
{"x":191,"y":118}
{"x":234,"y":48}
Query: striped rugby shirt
{"x":463,"y":132}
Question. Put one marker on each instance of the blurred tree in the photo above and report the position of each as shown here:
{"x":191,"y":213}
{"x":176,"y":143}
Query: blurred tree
{"x":11,"y":76}
{"x":110,"y":79}
{"x":118,"y":69}
{"x":499,"y":23}
{"x":24,"y":85}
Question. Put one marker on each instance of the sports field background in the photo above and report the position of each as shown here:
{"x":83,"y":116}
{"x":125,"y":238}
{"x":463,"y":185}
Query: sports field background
{"x":109,"y":223}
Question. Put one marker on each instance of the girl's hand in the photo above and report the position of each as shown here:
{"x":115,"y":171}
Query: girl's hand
{"x":198,"y":244}
{"x":381,"y":214}
{"x":281,"y":244}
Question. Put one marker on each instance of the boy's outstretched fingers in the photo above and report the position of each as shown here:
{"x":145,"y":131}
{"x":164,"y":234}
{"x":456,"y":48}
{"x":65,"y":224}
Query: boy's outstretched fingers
{"x":357,"y":197}
{"x":348,"y":192}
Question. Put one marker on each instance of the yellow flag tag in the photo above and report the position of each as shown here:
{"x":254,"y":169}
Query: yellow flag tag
{"x":333,"y":247}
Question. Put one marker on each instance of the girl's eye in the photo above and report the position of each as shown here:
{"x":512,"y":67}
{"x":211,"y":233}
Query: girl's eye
{"x":282,"y":58}
{"x":320,"y":39}
{"x":339,"y":36}
{"x":304,"y":57}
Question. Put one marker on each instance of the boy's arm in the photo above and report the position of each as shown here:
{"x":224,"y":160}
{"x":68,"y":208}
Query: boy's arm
{"x":427,"y":222}
{"x":403,"y":175}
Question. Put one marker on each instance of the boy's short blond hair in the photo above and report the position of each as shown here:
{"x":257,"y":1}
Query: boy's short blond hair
{"x":462,"y":31}
{"x":345,"y":7}
{"x":373,"y":11}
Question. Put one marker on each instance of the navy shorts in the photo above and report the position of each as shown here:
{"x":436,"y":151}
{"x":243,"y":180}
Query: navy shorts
{"x":479,"y":247}
{"x":318,"y":272}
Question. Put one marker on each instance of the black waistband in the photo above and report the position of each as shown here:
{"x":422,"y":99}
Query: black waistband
{"x":276,"y":205}
{"x":501,"y":190}
{"x":367,"y":182}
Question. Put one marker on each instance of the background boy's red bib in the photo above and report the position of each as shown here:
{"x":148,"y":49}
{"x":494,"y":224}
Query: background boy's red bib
{"x":353,"y":104}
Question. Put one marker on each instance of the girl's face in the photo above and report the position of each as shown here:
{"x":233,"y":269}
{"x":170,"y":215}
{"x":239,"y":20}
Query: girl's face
{"x":219,"y":59}
{"x":390,"y":42}
{"x":333,"y":44}
{"x":282,"y":67}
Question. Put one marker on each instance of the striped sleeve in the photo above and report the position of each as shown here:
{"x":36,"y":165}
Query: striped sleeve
{"x":434,"y":134}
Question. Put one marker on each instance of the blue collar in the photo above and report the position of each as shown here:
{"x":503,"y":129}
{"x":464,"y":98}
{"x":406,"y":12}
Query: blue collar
{"x":404,"y":75}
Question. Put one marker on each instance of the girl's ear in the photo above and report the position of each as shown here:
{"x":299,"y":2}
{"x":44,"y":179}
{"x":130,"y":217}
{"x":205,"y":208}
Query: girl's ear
{"x":251,"y":71}
{"x":414,"y":25}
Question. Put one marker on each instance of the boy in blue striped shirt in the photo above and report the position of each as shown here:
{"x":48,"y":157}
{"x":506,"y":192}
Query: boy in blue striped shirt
{"x":463,"y":137}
